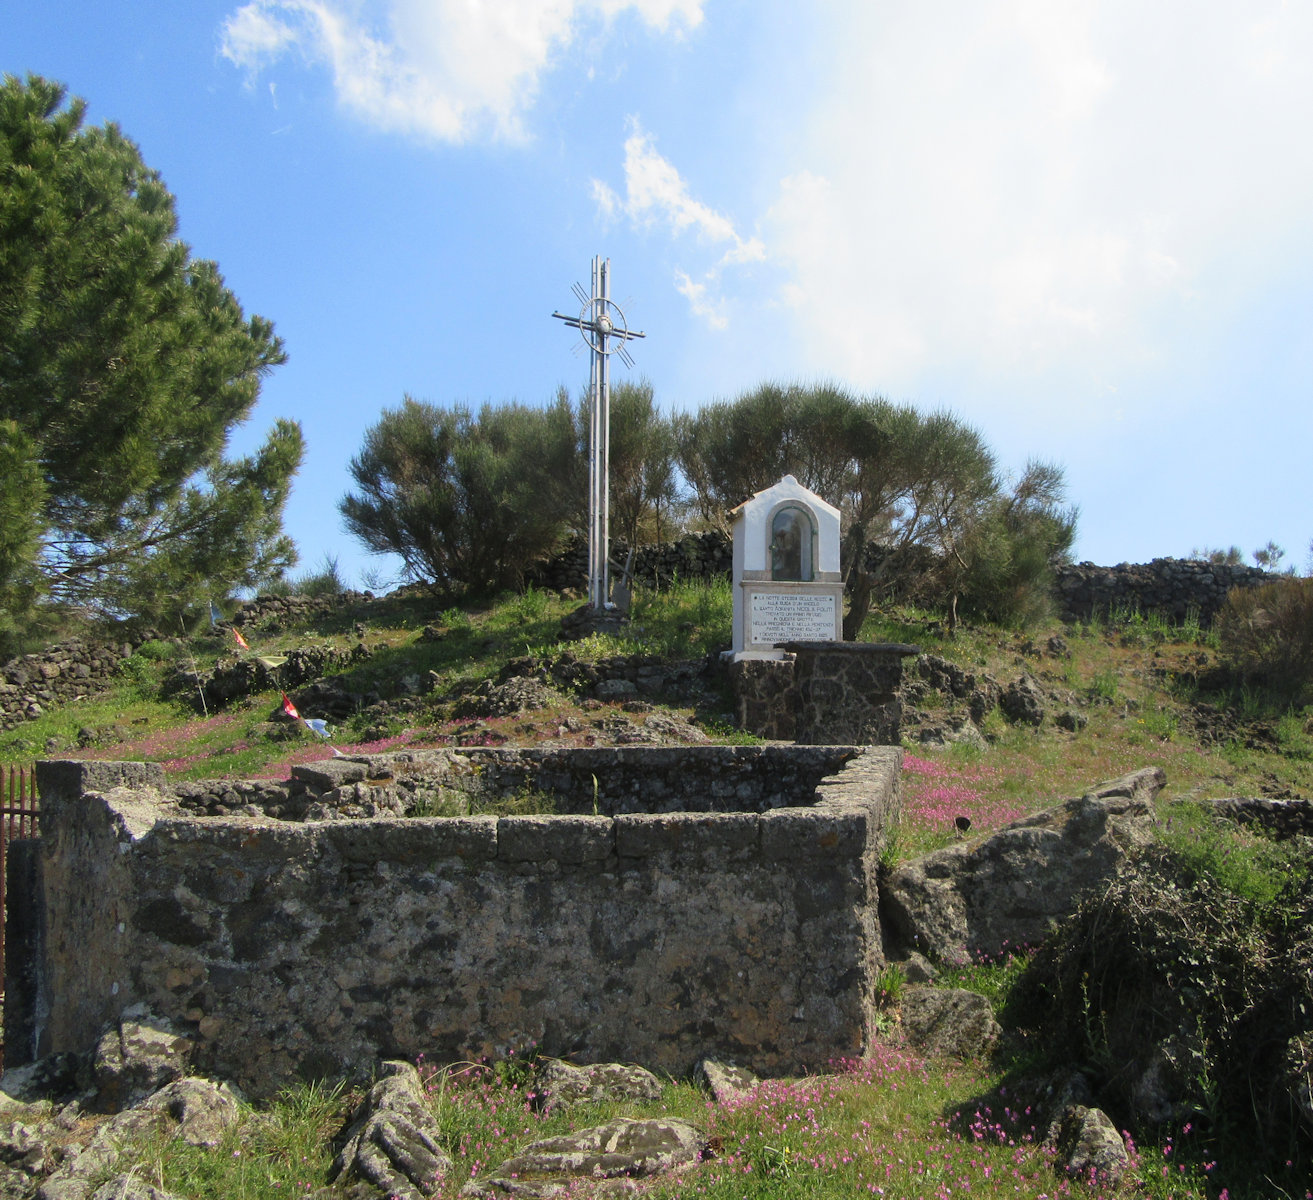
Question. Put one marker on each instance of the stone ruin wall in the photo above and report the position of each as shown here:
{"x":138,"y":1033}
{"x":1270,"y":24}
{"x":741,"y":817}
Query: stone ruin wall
{"x":742,"y":926}
{"x":31,"y":683}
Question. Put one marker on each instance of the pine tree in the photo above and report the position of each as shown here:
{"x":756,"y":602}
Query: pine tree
{"x":124,"y":363}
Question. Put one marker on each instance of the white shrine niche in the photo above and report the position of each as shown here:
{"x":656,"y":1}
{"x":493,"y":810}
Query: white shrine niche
{"x":787,"y":584}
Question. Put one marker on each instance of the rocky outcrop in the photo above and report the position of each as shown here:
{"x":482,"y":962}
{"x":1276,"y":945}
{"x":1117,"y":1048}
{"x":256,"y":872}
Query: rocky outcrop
{"x":948,"y":1022}
{"x":233,"y":679}
{"x":1023,"y":701}
{"x":1004,"y":891}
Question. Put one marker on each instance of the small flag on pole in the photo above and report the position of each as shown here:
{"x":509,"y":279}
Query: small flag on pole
{"x":289,"y":708}
{"x":317,"y":725}
{"x":241,"y":641}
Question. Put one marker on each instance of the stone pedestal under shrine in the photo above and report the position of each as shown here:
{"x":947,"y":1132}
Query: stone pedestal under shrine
{"x":823,"y":693}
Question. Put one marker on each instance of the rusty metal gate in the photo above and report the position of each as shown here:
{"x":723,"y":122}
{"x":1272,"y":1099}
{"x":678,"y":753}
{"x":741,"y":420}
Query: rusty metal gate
{"x":19,"y":818}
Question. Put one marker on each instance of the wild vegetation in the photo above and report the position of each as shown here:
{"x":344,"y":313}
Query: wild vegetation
{"x":468,"y":501}
{"x":893,"y":1124}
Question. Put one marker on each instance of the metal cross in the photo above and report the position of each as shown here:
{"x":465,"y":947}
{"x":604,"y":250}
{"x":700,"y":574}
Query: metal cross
{"x":605,"y":332}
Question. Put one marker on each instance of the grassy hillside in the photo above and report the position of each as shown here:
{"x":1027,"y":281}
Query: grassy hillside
{"x":894,"y":1125}
{"x":1149,"y":694}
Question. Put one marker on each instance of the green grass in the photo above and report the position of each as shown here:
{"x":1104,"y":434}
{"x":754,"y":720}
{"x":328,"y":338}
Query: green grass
{"x":892,"y":1124}
{"x":1244,"y":862}
{"x":274,"y":1152}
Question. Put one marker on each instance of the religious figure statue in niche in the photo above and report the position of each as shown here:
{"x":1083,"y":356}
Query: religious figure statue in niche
{"x":790,"y":545}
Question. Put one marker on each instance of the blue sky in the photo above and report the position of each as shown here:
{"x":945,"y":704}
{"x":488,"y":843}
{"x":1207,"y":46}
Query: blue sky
{"x":1086,"y":228}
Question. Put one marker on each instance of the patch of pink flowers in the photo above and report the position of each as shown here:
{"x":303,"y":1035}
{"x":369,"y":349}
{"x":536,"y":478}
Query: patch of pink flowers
{"x":936,"y":794}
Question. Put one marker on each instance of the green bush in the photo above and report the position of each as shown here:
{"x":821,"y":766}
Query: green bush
{"x":1265,"y":635}
{"x":326,"y":581}
{"x":157,"y":651}
{"x":1200,"y":974}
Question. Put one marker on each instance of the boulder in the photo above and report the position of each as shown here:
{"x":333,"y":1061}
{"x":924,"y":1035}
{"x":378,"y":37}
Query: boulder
{"x":622,"y":1149}
{"x":950,"y":1022}
{"x":951,"y":731}
{"x":562,"y":1085}
{"x":1088,"y":1145}
{"x":1071,"y":720}
{"x":916,"y":968}
{"x":202,"y":1110}
{"x":615,"y":689}
{"x":1022,"y":702}
{"x":50,"y":1078}
{"x":1165,"y":1082}
{"x":1003,"y":891}
{"x":136,"y":1058}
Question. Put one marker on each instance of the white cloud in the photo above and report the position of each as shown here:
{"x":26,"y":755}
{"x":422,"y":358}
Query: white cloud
{"x":253,"y":36}
{"x":1024,"y":189}
{"x":656,"y":195}
{"x":443,"y":69}
{"x":700,"y":302}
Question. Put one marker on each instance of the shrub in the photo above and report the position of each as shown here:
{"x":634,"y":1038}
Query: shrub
{"x":1265,"y":634}
{"x":467,"y":500}
{"x":1171,"y":971}
{"x":326,"y":581}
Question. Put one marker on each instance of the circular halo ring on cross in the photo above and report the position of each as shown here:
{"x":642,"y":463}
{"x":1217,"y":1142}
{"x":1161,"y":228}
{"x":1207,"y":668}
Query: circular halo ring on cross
{"x":596,"y":328}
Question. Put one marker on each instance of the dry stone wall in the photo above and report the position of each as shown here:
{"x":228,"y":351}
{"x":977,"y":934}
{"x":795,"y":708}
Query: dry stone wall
{"x":31,"y":683}
{"x":705,"y":555}
{"x":742,"y":926}
{"x":1172,"y":588}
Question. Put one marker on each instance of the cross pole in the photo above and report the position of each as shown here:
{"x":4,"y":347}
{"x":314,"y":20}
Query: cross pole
{"x":604,"y":330}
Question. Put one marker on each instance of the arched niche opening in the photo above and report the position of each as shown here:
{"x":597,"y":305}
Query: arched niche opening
{"x":792,"y":544}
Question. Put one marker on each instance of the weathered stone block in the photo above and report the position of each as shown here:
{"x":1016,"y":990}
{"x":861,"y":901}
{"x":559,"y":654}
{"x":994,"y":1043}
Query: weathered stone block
{"x":686,"y":835}
{"x":73,"y":777}
{"x":562,"y":839}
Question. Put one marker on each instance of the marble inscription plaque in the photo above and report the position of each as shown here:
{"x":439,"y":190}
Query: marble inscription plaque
{"x":777,"y":617}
